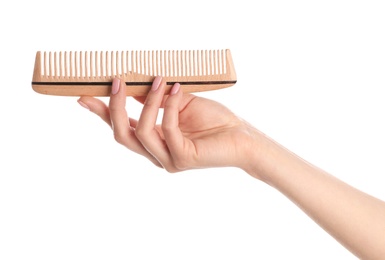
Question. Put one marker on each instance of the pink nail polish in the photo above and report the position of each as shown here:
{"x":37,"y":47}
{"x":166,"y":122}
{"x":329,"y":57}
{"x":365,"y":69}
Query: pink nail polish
{"x":156,"y":83}
{"x":115,"y":86}
{"x":83,"y":105}
{"x":175,"y":89}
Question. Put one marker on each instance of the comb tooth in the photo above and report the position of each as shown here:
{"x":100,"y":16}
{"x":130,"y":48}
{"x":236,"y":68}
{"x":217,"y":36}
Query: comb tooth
{"x":65,"y":65}
{"x":61,"y":64}
{"x":49,"y":64}
{"x":91,"y":64}
{"x":96,"y":64}
{"x":176,"y":62}
{"x":203,"y":63}
{"x":211,"y":62}
{"x":151,"y":63}
{"x":69,"y":64}
{"x":170,"y":63}
{"x":135,"y":61}
{"x":161,"y":62}
{"x":145,"y":62}
{"x":45,"y":64}
{"x":138,"y":61}
{"x":120,"y":56}
{"x":193,"y":63}
{"x":75,"y":62}
{"x":119,"y":70}
{"x":37,"y":70}
{"x":81,"y":64}
{"x":117,"y":62}
{"x":115,"y":71}
{"x":167,"y":62}
{"x":132,"y":61}
{"x":181,"y":63}
{"x":59,"y":70}
{"x":128,"y":68}
{"x":154,"y":61}
{"x":153,"y":66}
{"x":224,"y":59}
{"x":112,"y":71}
{"x":106,"y":67}
{"x":220,"y":61}
{"x":156,"y":68}
{"x":55,"y":63}
{"x":206,"y":63}
{"x":113,"y":65}
{"x":101,"y":64}
{"x":188,"y":63}
{"x":185,"y":63}
{"x":214,"y":61}
{"x":86,"y":64}
{"x":229,"y":65}
{"x":107,"y":64}
{"x":122,"y":63}
{"x":198,"y":63}
{"x":142,"y":62}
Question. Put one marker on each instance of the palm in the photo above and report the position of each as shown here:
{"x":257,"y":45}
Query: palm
{"x":208,"y":133}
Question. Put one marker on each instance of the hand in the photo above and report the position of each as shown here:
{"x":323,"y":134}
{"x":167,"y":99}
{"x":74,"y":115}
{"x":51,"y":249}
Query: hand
{"x":195,"y":132}
{"x":200,"y":133}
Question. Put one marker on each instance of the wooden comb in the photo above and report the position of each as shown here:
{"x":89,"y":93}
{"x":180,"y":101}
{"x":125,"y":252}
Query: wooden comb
{"x":91,"y":73}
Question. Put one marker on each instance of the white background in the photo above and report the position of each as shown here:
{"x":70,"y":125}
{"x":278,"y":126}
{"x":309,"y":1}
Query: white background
{"x":310,"y":75}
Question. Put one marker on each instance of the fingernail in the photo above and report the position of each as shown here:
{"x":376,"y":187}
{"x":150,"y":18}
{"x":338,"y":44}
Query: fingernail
{"x":83,"y":105}
{"x":115,"y":86}
{"x":156,"y":83}
{"x":175,"y":89}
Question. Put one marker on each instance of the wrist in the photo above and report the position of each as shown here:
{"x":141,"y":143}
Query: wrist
{"x":261,"y":156}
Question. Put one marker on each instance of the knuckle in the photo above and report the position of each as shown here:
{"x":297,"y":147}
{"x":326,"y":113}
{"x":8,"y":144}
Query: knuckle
{"x":140,"y":133}
{"x":119,"y":137}
{"x":167,"y":127}
{"x":182,"y":164}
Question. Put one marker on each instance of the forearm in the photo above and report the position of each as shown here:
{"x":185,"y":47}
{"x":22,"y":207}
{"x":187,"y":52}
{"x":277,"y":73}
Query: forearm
{"x":354,"y":218}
